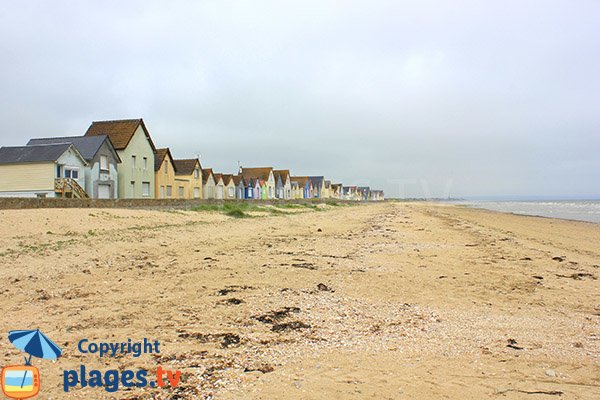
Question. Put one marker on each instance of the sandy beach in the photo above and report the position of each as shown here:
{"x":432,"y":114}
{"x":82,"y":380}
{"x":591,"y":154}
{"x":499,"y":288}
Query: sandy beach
{"x":383,"y":301}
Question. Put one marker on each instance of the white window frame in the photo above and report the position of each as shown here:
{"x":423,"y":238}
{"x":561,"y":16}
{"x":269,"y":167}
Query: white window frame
{"x":70,"y":171}
{"x":181,"y":192}
{"x":104,"y":163}
{"x":169,"y":191}
{"x":146,"y":189}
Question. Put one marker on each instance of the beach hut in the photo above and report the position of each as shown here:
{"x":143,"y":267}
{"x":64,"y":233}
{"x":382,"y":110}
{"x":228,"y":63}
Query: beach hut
{"x":257,"y":190}
{"x":100,"y":173}
{"x":219,"y":186}
{"x":262,"y":174}
{"x":363,"y":193}
{"x":249,"y":188}
{"x":336,"y":190}
{"x":296,"y":191}
{"x":283,"y":185}
{"x":318,"y":186}
{"x":349,"y":193}
{"x":135,"y":148}
{"x":230,"y":186}
{"x":240,"y":185}
{"x":326,"y":190}
{"x":208,"y":183}
{"x":304,"y":186}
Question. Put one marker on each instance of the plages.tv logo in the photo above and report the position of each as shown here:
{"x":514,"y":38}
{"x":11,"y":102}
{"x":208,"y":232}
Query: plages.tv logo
{"x":23,"y":381}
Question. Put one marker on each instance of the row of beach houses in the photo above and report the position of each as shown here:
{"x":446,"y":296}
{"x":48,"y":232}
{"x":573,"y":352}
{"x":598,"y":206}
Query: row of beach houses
{"x":118,"y":159}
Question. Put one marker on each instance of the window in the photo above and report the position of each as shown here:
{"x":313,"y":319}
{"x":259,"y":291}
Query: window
{"x":180,"y":192}
{"x":145,"y":189}
{"x":162,"y":192}
{"x":196,"y":173}
{"x":132,"y":188}
{"x":169,"y":190}
{"x":196,"y":193}
{"x":71,"y":173}
{"x":231,"y":192}
{"x":133,"y":160}
{"x":166,"y":168}
{"x":103,"y":163}
{"x":145,"y":163}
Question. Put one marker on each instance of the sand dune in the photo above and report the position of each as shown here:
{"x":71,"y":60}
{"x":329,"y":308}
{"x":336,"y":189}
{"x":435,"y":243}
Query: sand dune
{"x":386,"y":301}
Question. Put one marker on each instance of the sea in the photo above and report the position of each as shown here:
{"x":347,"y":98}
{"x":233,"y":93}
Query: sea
{"x":580,"y":210}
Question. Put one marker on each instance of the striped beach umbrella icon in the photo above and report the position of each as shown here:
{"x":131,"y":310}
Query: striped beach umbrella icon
{"x":34,"y":343}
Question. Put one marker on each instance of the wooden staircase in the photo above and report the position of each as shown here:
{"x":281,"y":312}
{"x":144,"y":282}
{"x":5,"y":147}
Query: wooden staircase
{"x":68,"y":187}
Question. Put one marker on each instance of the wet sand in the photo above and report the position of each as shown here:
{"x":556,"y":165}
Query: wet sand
{"x":386,"y":301}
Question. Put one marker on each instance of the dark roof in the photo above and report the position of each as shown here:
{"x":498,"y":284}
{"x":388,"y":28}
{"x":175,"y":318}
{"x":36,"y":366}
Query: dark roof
{"x":260,"y":173}
{"x":237,"y":179}
{"x":284,"y":173}
{"x":87,"y":146}
{"x":316,"y":180}
{"x":227,"y":178}
{"x":159,"y":157}
{"x":206,"y":173}
{"x":120,"y":132}
{"x":186,"y":166}
{"x":33,"y":154}
{"x":302,"y":180}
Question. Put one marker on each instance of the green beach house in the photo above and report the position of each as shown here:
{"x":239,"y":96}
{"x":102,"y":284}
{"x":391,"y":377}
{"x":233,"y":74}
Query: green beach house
{"x":136,"y":151}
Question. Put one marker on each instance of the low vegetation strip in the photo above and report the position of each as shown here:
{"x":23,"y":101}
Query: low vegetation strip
{"x":8,"y":203}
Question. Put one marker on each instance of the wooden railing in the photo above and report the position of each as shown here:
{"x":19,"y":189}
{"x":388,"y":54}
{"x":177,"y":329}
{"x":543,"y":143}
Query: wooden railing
{"x":68,"y":187}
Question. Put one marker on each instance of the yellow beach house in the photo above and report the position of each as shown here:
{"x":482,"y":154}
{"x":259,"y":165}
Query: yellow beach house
{"x":164,"y":175}
{"x":188,"y":174}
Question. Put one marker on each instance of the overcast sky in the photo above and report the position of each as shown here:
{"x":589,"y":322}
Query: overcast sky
{"x":434,"y":98}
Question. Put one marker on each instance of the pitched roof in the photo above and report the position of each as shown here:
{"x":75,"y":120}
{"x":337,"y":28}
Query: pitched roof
{"x":159,"y":157}
{"x":227,"y":178}
{"x":260,"y":172}
{"x":302,"y":180}
{"x":316,"y":180}
{"x":284,"y":173}
{"x":186,"y":166}
{"x":237,"y":179}
{"x":120,"y":132}
{"x":87,"y":146}
{"x":217,"y":177}
{"x":35,"y":153}
{"x":206,"y":173}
